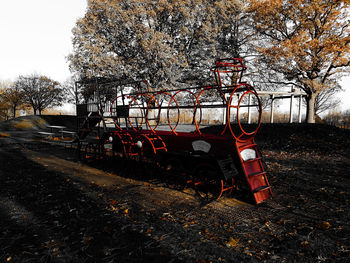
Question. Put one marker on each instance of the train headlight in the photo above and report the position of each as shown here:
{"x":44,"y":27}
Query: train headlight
{"x":139,"y":144}
{"x":248,"y":154}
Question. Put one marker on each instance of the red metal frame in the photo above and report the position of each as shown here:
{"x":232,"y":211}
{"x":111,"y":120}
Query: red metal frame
{"x":142,"y":138}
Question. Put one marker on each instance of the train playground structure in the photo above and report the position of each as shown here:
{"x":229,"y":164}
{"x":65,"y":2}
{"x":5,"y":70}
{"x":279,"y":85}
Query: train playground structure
{"x":197,"y":134}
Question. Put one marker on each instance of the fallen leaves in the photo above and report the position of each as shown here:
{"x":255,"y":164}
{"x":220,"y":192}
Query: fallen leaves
{"x":324,"y":225}
{"x":232,"y":242}
{"x":210,"y":235}
{"x":309,"y":219}
{"x":87,"y":240}
{"x":304,"y":244}
{"x":2,"y":134}
{"x":113,"y":202}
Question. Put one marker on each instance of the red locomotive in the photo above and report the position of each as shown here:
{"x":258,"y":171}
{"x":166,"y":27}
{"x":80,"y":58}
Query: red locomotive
{"x":199,"y":133}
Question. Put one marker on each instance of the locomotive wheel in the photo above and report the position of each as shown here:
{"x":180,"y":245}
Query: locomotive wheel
{"x":90,"y":151}
{"x":174,"y":168}
{"x":207,"y":181}
{"x":118,"y":148}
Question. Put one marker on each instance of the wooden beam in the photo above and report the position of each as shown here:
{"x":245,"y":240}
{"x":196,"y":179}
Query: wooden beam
{"x":300,"y":106}
{"x":280,"y":93}
{"x":291,"y":109}
{"x":272,"y":108}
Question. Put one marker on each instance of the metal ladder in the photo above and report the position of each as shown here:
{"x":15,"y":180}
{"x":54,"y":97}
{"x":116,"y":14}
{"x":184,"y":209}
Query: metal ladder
{"x":253,"y":169}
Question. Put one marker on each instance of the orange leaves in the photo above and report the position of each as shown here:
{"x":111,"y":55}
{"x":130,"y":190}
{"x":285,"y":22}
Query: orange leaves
{"x":4,"y":134}
{"x":269,"y":6}
{"x":305,"y":41}
{"x":113,"y":202}
{"x":113,"y":205}
{"x":304,"y":244}
{"x":210,"y":235}
{"x":232,"y":242}
{"x":324,"y":225}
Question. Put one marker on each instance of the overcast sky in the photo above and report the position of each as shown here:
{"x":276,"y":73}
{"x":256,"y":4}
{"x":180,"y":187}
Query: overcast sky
{"x":36,"y":37}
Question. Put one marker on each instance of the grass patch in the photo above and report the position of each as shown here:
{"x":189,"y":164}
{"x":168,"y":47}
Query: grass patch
{"x":41,"y":123}
{"x":23,"y":124}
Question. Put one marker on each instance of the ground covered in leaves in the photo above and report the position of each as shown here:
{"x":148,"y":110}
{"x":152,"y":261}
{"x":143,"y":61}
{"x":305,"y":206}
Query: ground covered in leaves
{"x":54,"y":208}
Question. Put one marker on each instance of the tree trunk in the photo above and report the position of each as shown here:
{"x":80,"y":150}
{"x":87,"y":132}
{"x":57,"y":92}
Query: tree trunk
{"x":14,"y":112}
{"x":194,"y":115}
{"x":34,"y":110}
{"x":310,"y":108}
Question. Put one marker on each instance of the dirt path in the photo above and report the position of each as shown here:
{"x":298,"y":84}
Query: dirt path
{"x":56,"y":209}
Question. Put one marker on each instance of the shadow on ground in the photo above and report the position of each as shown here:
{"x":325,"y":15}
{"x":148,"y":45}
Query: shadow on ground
{"x":56,"y":209}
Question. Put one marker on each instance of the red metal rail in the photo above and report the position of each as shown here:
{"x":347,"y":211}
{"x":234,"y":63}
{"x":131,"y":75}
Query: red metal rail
{"x":225,"y":156}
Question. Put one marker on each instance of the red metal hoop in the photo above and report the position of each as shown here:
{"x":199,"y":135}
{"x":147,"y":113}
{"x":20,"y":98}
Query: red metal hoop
{"x":129,"y":107}
{"x":140,"y":89}
{"x":153,"y":129}
{"x":148,"y":108}
{"x":251,"y":134}
{"x":233,"y":66}
{"x":222,"y":95}
{"x":248,"y":90}
{"x":173,"y":129}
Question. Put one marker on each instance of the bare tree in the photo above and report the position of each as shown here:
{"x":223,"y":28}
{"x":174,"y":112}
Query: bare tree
{"x":333,"y":118}
{"x":73,"y":93}
{"x":40,"y":92}
{"x":326,"y":99}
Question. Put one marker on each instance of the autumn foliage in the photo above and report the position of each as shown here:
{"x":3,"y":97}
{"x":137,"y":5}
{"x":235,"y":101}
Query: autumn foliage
{"x":155,"y":40}
{"x":306,"y":43}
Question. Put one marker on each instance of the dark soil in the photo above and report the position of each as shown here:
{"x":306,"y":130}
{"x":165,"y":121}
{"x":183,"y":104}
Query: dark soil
{"x":54,"y":208}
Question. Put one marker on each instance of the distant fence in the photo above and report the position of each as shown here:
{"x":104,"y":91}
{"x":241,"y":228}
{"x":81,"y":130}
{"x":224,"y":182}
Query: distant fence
{"x":274,"y":95}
